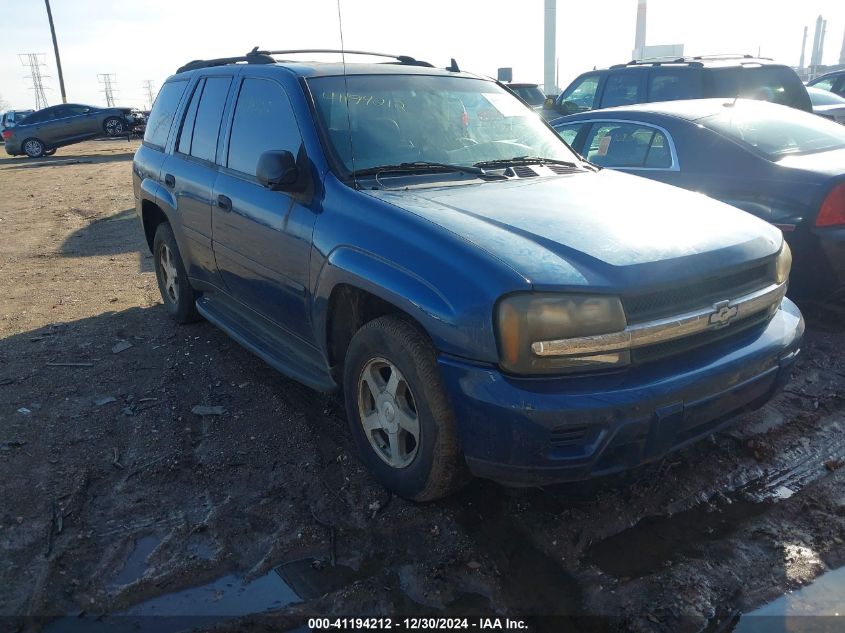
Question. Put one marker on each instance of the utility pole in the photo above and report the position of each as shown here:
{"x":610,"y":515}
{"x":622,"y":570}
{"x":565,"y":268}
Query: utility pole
{"x":34,"y":62}
{"x":148,"y":88}
{"x":56,"y":49}
{"x":108,"y":80}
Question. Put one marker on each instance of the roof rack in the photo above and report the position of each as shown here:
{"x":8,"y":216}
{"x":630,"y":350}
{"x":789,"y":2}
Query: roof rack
{"x":256,"y":56}
{"x":402,"y":59}
{"x":695,"y":60}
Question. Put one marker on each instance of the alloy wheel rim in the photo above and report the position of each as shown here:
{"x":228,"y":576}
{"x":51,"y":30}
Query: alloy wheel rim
{"x":114,"y":127}
{"x":32,"y":147}
{"x":169,"y":275}
{"x":388,"y":413}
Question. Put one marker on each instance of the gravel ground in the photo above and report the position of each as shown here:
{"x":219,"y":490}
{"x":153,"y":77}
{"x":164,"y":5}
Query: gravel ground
{"x":116,"y":498}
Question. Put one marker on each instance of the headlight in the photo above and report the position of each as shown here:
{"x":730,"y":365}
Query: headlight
{"x":528,"y":324}
{"x":783,"y":263}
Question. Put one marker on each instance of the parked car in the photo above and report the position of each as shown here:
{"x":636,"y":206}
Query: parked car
{"x":50,"y":128}
{"x":485,"y":304}
{"x":684,"y":78}
{"x":530,"y":93}
{"x":10,"y":118}
{"x":827,"y":104}
{"x":784,"y":166}
{"x":832,"y":82}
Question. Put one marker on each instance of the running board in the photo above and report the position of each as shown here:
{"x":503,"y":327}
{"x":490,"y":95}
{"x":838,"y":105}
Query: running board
{"x":282,"y":351}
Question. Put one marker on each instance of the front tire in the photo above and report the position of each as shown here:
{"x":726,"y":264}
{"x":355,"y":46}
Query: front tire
{"x":398,"y":411}
{"x":115,"y":126}
{"x":176,"y":292}
{"x":33,"y":148}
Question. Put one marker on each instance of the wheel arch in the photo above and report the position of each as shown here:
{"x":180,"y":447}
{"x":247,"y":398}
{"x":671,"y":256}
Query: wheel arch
{"x":356,"y":287}
{"x":151,"y":216}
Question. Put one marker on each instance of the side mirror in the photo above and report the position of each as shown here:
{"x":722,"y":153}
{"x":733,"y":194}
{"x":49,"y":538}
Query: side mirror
{"x":549,"y":103}
{"x":277,"y":170}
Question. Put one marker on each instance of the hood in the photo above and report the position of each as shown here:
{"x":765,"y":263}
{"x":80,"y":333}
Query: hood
{"x":605,"y":229}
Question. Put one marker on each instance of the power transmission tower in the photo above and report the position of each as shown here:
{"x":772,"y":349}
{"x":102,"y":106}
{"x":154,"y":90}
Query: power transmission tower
{"x":108,"y":80}
{"x":34,"y":62}
{"x":148,"y":89}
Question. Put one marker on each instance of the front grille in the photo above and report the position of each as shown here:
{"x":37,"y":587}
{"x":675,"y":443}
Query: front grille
{"x":677,"y":300}
{"x":567,"y":436}
{"x":679,"y":346}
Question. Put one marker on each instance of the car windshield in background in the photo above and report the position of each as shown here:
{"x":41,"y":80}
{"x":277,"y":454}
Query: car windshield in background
{"x":776,"y":132}
{"x":823,"y":97}
{"x":532,"y":95}
{"x":397,"y":119}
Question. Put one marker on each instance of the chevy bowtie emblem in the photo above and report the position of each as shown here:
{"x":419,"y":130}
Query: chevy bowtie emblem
{"x":723,"y":313}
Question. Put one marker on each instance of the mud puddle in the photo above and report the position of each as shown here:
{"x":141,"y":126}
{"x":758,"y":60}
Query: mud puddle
{"x":823,"y":599}
{"x":229,"y":597}
{"x":654,"y":541}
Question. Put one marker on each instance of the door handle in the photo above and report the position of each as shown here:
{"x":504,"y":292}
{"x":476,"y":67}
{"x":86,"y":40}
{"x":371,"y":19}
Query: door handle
{"x":169,"y":180}
{"x":224,"y":202}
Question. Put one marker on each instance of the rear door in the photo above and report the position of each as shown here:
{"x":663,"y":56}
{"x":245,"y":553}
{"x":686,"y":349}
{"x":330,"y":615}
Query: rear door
{"x":262,"y":238}
{"x":190,"y":171}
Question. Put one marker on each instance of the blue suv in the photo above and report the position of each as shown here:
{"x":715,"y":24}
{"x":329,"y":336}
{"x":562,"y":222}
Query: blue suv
{"x":488,"y":301}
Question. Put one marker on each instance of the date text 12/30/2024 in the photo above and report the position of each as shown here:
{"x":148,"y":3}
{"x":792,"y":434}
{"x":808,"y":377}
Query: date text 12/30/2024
{"x":417,"y":624}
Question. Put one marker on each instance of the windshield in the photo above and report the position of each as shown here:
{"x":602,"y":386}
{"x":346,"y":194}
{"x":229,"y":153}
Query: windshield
{"x":776,"y":131}
{"x":532,"y":95}
{"x":409,"y":118}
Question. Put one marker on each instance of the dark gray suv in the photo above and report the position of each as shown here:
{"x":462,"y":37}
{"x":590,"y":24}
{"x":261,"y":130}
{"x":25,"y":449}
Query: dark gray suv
{"x":699,"y":77}
{"x":42,"y":132}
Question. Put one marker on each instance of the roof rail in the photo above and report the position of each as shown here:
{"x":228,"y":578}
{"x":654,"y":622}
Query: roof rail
{"x":402,"y":59}
{"x":695,"y":60}
{"x":253,"y":57}
{"x":256,"y":56}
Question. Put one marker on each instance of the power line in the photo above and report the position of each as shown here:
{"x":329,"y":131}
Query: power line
{"x":150,"y":91}
{"x":108,"y":80}
{"x":34,"y":62}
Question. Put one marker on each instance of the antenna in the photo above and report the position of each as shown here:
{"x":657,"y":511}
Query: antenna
{"x":34,"y":62}
{"x":108,"y":80}
{"x":346,"y":96}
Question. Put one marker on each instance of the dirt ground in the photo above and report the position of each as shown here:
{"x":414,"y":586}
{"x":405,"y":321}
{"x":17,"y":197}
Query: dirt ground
{"x":116,"y":499}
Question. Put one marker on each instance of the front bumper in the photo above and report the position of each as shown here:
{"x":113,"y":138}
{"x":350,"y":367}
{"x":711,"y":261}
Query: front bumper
{"x":536,"y":431}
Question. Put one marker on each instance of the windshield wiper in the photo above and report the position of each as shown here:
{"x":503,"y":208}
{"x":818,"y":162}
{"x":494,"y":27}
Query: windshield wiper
{"x":524,"y":160}
{"x":422,"y":166}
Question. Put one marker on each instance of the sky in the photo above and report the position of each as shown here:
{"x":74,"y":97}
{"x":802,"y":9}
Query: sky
{"x":149,"y":39}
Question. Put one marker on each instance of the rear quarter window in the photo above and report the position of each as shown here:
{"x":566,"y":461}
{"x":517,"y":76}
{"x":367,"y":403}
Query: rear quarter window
{"x":764,"y":83}
{"x":164,"y":109}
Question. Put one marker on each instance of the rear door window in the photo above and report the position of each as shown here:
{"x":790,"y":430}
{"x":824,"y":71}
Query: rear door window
{"x":765,"y":83}
{"x":622,"y":88}
{"x":164,"y":109}
{"x":633,"y":145}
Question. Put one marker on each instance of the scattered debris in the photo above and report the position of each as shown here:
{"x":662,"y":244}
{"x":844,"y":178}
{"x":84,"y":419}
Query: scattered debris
{"x":24,"y":411}
{"x":70,"y":364}
{"x":106,"y":400}
{"x":121,"y":346}
{"x":834,"y":464}
{"x":203,"y":410}
{"x":116,"y":459}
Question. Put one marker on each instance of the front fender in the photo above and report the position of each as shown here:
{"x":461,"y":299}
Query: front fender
{"x":390,"y":282}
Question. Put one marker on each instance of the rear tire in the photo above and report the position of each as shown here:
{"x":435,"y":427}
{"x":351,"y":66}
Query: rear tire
{"x":398,"y":410}
{"x":33,"y":148}
{"x":176,"y":292}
